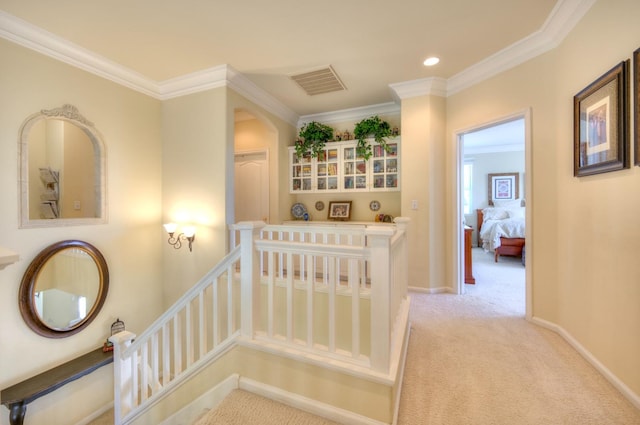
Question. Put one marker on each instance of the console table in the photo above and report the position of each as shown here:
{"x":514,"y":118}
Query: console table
{"x":19,"y":395}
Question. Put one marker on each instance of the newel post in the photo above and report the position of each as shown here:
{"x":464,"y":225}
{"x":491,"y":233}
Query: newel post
{"x":379,"y":243}
{"x":402,"y":223}
{"x":122,"y":375}
{"x":249,"y":276}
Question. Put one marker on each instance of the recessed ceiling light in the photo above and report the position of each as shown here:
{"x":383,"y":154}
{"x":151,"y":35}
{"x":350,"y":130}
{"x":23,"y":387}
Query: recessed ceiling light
{"x":431,"y":61}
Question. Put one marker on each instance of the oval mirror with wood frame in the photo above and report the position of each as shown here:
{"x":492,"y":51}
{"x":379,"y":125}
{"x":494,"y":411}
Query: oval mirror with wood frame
{"x":63,"y":289}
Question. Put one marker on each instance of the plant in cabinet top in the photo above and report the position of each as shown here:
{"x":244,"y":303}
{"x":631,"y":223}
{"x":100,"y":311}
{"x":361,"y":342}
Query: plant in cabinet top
{"x":314,"y":136}
{"x":371,"y":127}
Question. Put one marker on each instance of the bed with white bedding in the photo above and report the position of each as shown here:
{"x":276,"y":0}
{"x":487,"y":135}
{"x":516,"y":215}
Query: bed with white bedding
{"x":502,"y":230}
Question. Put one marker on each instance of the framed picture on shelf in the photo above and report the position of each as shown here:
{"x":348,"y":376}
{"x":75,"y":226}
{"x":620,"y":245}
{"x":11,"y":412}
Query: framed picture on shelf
{"x":339,"y":210}
{"x":601,"y":124}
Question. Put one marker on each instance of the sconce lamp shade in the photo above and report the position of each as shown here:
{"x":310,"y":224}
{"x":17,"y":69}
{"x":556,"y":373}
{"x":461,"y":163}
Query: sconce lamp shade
{"x":170,"y":227}
{"x":188,"y":234}
{"x":189,"y":231}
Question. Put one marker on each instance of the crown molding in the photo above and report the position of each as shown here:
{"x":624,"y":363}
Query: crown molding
{"x":352,"y":114}
{"x":34,"y":38}
{"x":225,"y":76}
{"x":247,"y":88}
{"x":192,"y":83}
{"x":565,"y":15}
{"x":41,"y":41}
{"x":422,"y":87}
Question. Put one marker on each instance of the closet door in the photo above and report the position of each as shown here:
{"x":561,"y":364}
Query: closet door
{"x":252,"y":186}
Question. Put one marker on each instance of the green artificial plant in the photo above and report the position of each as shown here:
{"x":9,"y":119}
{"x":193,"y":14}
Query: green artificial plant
{"x":314,"y":136}
{"x":371,"y":127}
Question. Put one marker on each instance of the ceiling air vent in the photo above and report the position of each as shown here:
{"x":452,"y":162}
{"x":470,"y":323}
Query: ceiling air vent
{"x":319,"y":81}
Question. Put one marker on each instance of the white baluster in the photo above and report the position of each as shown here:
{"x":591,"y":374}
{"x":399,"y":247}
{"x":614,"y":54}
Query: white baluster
{"x":122,"y":375}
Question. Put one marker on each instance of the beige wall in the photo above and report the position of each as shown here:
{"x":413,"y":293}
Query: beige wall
{"x":195,"y":148}
{"x":423,"y":175}
{"x":198,"y":133}
{"x":598,"y":240}
{"x":131,"y":241}
{"x":168,"y":161}
{"x":585,"y":230}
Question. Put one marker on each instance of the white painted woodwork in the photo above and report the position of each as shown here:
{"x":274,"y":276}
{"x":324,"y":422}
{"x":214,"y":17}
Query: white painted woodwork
{"x":314,"y":279}
{"x":7,"y":257}
{"x":251,"y":186}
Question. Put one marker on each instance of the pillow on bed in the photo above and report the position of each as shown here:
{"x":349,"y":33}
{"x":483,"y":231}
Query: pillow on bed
{"x":516,"y":212}
{"x":502,"y":203}
{"x":495,"y":214}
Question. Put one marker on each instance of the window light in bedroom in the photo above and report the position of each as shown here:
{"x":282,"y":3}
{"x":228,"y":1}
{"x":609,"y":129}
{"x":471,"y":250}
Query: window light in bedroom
{"x":467,"y":190}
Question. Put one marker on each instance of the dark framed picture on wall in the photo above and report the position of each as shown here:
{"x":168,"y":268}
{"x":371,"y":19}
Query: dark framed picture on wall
{"x":601,"y":124}
{"x":339,"y":210}
{"x":636,"y":105}
{"x":503,"y":186}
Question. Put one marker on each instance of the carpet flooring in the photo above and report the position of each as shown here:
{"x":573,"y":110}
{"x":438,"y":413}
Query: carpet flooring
{"x":474,"y":359}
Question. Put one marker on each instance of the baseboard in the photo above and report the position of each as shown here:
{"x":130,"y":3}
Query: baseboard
{"x":314,"y":407}
{"x":403,"y":362}
{"x":95,"y":415}
{"x":609,"y":376}
{"x":207,"y":401}
{"x":439,"y":290}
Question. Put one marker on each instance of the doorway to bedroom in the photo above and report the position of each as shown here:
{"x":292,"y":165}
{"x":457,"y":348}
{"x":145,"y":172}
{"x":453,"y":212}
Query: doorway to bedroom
{"x":492,"y":173}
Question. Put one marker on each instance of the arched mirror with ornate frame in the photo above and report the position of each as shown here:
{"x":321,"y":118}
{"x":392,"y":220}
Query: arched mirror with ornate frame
{"x":64,"y":288}
{"x":62,"y":162}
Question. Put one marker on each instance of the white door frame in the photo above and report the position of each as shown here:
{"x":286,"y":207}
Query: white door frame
{"x":458,"y":243}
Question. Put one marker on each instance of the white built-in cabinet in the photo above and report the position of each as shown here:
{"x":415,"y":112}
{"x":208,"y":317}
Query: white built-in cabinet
{"x":339,"y":169}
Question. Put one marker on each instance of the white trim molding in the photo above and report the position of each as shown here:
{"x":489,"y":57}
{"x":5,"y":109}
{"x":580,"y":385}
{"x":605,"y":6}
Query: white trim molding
{"x":562,"y":19}
{"x":7,"y":257}
{"x":390,"y":108}
{"x":564,"y":16}
{"x":604,"y":371}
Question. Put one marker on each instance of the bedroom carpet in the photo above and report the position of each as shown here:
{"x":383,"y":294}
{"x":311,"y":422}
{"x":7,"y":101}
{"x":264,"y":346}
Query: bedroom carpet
{"x":473,"y":359}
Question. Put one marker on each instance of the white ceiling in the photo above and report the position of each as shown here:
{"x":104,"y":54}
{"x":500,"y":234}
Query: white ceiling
{"x":371,"y":44}
{"x":502,"y":137}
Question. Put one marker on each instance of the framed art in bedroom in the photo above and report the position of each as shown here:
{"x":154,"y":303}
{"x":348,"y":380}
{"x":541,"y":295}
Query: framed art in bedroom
{"x":503,"y":186}
{"x":601,"y":124}
{"x":636,"y":105}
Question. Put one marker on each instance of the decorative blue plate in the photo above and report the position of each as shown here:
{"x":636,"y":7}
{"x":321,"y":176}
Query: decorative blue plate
{"x":298,"y":210}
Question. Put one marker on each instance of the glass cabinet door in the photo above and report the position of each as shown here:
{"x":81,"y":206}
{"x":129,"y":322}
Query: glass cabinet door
{"x":301,"y":173}
{"x":385,"y":168}
{"x":327,"y":170}
{"x":354,"y":170}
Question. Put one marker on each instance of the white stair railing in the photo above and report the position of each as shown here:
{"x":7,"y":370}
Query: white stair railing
{"x":335,"y":291}
{"x":199,"y":326}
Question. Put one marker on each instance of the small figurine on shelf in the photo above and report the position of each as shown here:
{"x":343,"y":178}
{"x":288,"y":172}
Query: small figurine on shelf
{"x":346,"y":135}
{"x":107,"y":346}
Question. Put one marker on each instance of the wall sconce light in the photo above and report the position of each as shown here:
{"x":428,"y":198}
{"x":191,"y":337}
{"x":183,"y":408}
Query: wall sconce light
{"x":188,"y":234}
